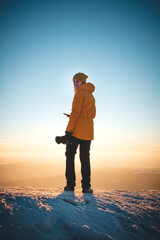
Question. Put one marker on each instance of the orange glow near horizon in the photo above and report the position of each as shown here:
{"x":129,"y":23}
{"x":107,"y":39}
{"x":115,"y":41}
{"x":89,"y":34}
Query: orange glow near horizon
{"x":101,"y":156}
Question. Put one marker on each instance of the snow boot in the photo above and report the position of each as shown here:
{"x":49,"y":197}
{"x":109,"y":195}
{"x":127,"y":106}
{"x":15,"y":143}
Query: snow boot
{"x":71,"y":189}
{"x":87,"y":190}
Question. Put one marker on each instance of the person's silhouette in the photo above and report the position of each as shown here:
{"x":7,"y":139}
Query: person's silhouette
{"x":80,"y":132}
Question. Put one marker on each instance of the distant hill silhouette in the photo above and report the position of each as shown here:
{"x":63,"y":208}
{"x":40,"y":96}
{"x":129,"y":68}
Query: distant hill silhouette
{"x":27,"y":170}
{"x":44,"y":175}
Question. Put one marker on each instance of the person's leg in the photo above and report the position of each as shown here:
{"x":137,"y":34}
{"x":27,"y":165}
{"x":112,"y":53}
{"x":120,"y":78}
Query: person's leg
{"x":85,"y":163}
{"x":70,"y":166}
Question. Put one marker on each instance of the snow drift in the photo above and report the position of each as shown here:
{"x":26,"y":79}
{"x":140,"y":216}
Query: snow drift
{"x":45,"y":214}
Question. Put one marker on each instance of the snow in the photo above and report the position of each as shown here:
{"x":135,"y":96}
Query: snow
{"x":45,"y":214}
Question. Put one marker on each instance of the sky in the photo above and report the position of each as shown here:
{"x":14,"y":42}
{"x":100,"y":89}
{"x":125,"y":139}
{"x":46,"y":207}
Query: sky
{"x":115,"y":42}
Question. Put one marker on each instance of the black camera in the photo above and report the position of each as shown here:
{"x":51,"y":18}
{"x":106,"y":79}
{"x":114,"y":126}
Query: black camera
{"x":61,"y":139}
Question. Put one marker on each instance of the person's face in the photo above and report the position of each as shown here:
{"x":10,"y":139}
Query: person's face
{"x":76,"y":84}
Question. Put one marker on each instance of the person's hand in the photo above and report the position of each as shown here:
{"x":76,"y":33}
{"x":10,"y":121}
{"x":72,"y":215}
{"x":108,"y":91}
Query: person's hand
{"x":68,"y":137}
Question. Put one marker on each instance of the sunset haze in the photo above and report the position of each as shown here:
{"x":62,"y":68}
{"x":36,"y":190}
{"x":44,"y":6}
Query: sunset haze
{"x":44,"y":43}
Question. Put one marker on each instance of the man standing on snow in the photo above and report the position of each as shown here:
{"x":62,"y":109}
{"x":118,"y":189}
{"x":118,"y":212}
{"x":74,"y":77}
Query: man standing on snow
{"x":80,"y":131}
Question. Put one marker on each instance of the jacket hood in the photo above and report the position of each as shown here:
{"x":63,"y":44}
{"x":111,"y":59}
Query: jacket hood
{"x":89,"y":87}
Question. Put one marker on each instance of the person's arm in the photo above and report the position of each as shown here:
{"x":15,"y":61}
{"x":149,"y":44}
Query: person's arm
{"x":94,"y":114}
{"x":76,"y":110}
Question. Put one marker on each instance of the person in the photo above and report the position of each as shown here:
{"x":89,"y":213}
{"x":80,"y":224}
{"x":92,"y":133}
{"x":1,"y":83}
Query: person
{"x":80,"y":132}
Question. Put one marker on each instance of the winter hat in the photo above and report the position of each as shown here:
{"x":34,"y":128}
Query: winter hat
{"x":80,"y":77}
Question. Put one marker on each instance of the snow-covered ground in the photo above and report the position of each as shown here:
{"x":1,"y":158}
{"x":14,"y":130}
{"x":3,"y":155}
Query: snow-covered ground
{"x":45,"y":214}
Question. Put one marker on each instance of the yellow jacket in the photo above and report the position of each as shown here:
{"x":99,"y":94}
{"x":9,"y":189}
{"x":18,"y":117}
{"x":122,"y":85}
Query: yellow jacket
{"x":83,"y":113}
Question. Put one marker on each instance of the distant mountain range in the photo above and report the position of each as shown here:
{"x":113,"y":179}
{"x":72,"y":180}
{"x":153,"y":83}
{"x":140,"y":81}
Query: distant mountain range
{"x":45,"y":175}
{"x":27,"y":170}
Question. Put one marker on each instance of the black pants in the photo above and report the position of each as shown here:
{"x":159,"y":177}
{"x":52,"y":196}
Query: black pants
{"x":71,"y":150}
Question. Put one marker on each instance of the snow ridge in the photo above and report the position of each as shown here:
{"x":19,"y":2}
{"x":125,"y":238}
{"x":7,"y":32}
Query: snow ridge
{"x":29,"y":213}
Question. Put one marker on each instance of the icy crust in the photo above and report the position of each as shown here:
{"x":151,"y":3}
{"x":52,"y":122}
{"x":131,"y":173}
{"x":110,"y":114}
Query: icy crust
{"x":45,"y":214}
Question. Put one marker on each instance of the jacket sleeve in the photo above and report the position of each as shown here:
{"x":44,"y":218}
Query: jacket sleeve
{"x":76,"y":110}
{"x":94,"y":113}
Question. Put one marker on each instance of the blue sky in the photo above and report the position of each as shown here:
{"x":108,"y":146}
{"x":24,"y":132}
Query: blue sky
{"x":116,"y":43}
